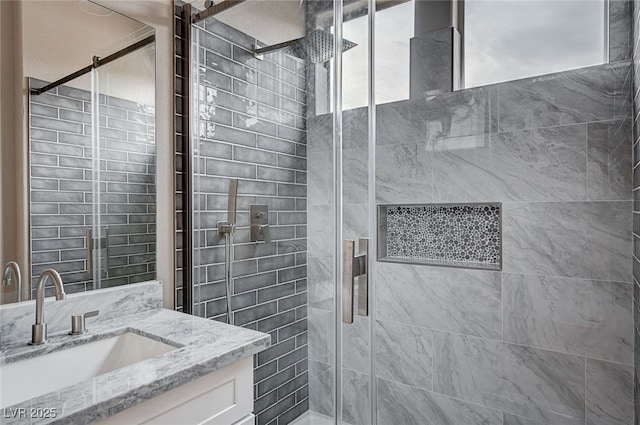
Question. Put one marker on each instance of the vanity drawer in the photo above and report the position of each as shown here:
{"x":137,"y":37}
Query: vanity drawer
{"x":222,"y":397}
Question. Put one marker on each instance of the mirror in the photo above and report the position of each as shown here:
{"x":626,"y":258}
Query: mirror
{"x":91,"y":146}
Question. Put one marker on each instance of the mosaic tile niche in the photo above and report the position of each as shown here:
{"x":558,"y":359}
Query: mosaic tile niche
{"x":453,"y":235}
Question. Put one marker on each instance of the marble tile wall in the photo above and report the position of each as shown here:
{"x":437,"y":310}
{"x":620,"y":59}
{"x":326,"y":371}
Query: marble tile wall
{"x":540,"y":341}
{"x":252,"y":127}
{"x":549,"y":339}
{"x":636,"y":205}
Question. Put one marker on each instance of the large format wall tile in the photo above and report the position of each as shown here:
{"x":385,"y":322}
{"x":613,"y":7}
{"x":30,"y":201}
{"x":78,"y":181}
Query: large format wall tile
{"x":320,"y":271}
{"x":585,"y":317}
{"x":355,"y":221}
{"x":589,"y":240}
{"x":536,"y":165}
{"x":519,"y":420}
{"x":320,"y":178}
{"x":609,"y":393}
{"x":321,"y":224}
{"x":320,"y":133}
{"x":321,"y":335}
{"x":569,"y":97}
{"x":406,"y":405}
{"x":356,"y":347}
{"x":528,"y":382}
{"x":356,"y":407}
{"x":404,"y":354}
{"x":321,"y":387}
{"x":404,"y":173}
{"x":623,"y":73}
{"x":355,"y":129}
{"x":620,"y":30}
{"x":399,"y":122}
{"x":609,"y":161}
{"x":458,"y":113}
{"x":354,"y":175}
{"x":465,"y":301}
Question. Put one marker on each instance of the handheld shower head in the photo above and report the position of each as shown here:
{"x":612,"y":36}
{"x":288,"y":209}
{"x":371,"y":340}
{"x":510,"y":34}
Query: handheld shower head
{"x":228,"y":227}
{"x":232,"y":207}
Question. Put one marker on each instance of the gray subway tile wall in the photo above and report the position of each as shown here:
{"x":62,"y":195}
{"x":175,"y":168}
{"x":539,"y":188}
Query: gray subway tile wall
{"x":61,"y":186}
{"x":635,"y":43}
{"x":252,"y":128}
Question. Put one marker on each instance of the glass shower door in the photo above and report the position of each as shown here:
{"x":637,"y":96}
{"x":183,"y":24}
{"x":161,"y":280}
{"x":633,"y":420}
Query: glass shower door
{"x":341,"y":207}
{"x":354,"y":335}
{"x":124,"y":234}
{"x":272,"y":141}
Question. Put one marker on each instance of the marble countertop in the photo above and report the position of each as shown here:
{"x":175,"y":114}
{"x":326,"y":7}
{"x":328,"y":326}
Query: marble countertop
{"x":203,"y":346}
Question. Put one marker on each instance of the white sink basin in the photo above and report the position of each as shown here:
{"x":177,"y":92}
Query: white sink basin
{"x":37,"y":376}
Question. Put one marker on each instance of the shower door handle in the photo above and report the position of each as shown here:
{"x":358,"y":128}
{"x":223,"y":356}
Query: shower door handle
{"x":355,"y":266}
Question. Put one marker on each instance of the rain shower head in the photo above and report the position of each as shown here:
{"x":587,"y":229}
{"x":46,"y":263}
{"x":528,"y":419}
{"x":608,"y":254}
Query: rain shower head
{"x":317,"y":47}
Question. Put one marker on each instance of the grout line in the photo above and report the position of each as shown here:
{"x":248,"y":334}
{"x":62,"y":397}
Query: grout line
{"x":491,"y":340}
{"x":447,"y":396}
{"x":232,"y":59}
{"x":586,"y":161}
{"x":585,"y":390}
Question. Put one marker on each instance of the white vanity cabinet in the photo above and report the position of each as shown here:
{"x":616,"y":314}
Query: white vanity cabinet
{"x":222,"y":397}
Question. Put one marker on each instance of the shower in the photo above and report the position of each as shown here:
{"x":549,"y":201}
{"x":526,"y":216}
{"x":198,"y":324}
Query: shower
{"x":317,"y":46}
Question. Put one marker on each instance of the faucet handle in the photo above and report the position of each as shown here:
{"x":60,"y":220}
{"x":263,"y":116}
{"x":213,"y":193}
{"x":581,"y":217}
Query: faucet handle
{"x":78,"y":322}
{"x":265,"y":232}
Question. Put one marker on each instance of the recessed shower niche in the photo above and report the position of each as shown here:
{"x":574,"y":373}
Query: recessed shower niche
{"x":452,"y":235}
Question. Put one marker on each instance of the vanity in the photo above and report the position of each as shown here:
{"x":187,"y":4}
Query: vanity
{"x":137,"y":363}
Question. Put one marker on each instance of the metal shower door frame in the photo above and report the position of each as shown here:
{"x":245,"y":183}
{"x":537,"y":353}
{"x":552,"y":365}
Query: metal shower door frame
{"x":341,"y":246}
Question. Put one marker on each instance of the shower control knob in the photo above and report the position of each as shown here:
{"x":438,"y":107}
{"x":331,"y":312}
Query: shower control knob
{"x":263,"y":233}
{"x":259,"y":215}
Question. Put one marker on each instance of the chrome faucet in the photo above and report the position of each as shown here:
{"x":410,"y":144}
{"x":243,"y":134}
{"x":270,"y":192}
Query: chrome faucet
{"x":39,"y":329}
{"x":10,"y":269}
